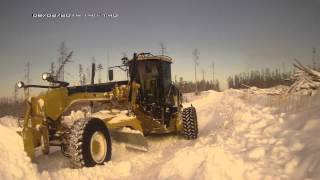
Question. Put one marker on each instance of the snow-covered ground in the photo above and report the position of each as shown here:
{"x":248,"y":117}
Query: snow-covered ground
{"x":242,"y":136}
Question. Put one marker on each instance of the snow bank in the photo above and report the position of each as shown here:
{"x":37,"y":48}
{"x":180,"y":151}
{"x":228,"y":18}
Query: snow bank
{"x":205,"y":162}
{"x":272,"y":137}
{"x":301,"y":132}
{"x":14,"y":163}
{"x":190,"y":97}
{"x":276,"y":90}
{"x":9,"y":121}
{"x":110,"y":171}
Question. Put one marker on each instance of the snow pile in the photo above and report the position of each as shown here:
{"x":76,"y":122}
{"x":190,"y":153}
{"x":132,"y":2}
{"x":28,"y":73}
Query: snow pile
{"x":202,"y":163}
{"x":276,"y":90}
{"x":73,"y":116}
{"x":9,"y":121}
{"x":189,"y":97}
{"x":254,"y":139}
{"x":121,"y":116}
{"x":300,"y":133}
{"x":239,"y":142}
{"x":267,"y":142}
{"x":13,"y":161}
{"x":103,"y":114}
{"x":292,"y":129}
{"x":241,"y":137}
{"x":110,"y":171}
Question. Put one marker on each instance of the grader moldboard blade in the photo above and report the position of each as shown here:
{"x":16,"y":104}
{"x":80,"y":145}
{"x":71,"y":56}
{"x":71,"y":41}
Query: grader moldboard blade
{"x":132,"y":138}
{"x":119,"y":123}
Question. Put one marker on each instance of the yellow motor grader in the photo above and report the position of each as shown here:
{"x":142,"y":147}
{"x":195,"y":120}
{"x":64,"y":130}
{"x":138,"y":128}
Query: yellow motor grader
{"x":148,"y":103}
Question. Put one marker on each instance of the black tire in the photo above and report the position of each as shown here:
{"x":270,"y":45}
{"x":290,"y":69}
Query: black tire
{"x":65,"y":145}
{"x":190,"y":123}
{"x":80,"y":142}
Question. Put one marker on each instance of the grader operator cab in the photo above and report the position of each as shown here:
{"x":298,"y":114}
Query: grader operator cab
{"x":148,"y":103}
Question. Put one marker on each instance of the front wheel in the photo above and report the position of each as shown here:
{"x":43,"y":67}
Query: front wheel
{"x":90,"y":143}
{"x":190,"y":123}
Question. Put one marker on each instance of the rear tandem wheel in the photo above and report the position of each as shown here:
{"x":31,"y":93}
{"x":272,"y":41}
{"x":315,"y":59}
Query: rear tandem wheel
{"x":190,"y":123}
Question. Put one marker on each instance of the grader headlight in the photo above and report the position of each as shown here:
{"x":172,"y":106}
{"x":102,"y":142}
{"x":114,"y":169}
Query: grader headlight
{"x":47,"y":77}
{"x":20,"y":84}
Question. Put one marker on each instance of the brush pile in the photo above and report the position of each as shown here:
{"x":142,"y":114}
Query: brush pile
{"x":306,"y":80}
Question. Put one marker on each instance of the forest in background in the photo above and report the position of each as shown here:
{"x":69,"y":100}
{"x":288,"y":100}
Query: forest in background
{"x":262,"y":79}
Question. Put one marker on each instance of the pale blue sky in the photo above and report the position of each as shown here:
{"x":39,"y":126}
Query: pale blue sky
{"x":236,"y":35}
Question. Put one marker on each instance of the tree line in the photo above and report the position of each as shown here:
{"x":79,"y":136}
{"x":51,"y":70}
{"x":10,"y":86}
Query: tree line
{"x":203,"y":85}
{"x":9,"y":106}
{"x":264,"y":78}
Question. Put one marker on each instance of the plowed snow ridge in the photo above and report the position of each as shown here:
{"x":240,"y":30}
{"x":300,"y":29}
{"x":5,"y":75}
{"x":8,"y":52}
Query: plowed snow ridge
{"x":242,"y":136}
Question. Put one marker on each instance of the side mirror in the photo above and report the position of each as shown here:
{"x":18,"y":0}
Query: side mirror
{"x":110,"y":74}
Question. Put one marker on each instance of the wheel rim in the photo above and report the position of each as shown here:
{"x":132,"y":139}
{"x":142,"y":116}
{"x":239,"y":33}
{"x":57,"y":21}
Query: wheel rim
{"x":98,"y":147}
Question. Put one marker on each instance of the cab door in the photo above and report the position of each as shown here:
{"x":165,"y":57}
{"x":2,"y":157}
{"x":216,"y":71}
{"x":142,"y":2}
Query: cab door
{"x":150,"y":91}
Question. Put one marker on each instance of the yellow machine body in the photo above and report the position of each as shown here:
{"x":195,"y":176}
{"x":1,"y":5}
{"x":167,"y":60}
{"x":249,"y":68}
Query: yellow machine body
{"x":153,"y":105}
{"x":50,"y":106}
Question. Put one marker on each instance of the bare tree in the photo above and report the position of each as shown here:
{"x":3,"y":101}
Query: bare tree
{"x":203,"y":74}
{"x":62,"y":55}
{"x":81,"y":82}
{"x":314,"y":58}
{"x":108,"y":64}
{"x":27,"y":72}
{"x":212,"y":66}
{"x":60,"y":71}
{"x":27,"y":75}
{"x":64,"y":58}
{"x":195,"y":54}
{"x":15,"y":94}
{"x":163,"y":49}
{"x":52,"y":68}
{"x":283,"y":67}
{"x":88,"y":72}
{"x":99,"y":67}
{"x":318,"y":60}
{"x":84,"y":79}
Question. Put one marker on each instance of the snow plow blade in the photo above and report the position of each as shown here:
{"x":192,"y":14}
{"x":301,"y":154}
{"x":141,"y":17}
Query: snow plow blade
{"x":132,"y":138}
